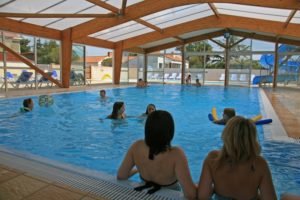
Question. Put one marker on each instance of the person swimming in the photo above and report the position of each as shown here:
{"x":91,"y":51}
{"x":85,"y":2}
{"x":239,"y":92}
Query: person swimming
{"x":150,"y":108}
{"x":228,"y":113}
{"x":118,"y":111}
{"x":27,"y":105}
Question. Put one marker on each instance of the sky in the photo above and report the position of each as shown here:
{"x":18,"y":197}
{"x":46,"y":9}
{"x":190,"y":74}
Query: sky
{"x":95,"y":51}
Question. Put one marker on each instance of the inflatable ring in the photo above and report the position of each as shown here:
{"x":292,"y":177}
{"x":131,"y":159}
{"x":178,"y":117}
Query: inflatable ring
{"x":213,"y":116}
{"x":46,"y":100}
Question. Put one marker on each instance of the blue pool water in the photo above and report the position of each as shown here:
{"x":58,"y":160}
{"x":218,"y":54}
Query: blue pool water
{"x":74,"y":130}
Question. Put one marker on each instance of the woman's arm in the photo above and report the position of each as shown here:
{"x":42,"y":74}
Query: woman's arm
{"x":184,"y":177}
{"x":126,"y":169}
{"x":266,"y":187}
{"x":205,"y":186}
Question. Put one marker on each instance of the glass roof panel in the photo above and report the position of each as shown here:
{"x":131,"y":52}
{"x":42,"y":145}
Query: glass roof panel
{"x":3,"y":2}
{"x":130,"y":28}
{"x":66,"y":23}
{"x":69,"y":6}
{"x":115,"y":28}
{"x":130,"y":35}
{"x":296,"y":18}
{"x":40,"y":21}
{"x":118,"y":3}
{"x":28,"y":6}
{"x":178,"y":15}
{"x":184,"y":19}
{"x":272,"y":14}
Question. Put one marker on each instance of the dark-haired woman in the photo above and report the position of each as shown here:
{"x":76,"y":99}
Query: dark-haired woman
{"x":118,"y":111}
{"x":159,"y":163}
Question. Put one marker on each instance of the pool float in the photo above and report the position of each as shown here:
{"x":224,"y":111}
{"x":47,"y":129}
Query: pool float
{"x":46,"y":100}
{"x":213,"y":116}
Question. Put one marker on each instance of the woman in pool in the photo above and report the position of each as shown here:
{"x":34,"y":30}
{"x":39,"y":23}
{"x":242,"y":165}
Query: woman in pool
{"x":158,"y":163}
{"x":118,"y":111}
{"x":237,"y":171}
{"x":150,"y":108}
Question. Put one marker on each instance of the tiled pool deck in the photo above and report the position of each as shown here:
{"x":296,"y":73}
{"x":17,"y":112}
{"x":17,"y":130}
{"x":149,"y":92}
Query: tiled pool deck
{"x":19,"y":185}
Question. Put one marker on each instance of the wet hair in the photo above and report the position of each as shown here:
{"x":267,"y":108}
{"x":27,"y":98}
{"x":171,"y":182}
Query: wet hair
{"x":148,"y":107}
{"x":229,"y":112}
{"x":103,"y":91}
{"x":27,"y":102}
{"x":140,"y":79}
{"x":159,"y":132}
{"x":117,"y":106}
{"x":240,"y":140}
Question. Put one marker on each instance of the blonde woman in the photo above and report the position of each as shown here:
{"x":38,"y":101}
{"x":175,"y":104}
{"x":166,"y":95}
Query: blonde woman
{"x":237,"y":171}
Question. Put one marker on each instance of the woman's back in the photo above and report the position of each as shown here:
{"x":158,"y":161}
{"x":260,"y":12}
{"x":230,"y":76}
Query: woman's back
{"x":237,"y":171}
{"x":238,"y":181}
{"x":161,"y":170}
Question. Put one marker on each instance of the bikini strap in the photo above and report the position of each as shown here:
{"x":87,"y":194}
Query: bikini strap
{"x":155,"y":187}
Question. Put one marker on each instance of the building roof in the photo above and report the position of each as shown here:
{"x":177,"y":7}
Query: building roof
{"x":94,"y":59}
{"x":143,"y":26}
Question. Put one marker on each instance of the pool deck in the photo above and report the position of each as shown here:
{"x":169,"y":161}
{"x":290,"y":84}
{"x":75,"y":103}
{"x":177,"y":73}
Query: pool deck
{"x":286,"y":103}
{"x":16,"y":184}
{"x":19,"y":185}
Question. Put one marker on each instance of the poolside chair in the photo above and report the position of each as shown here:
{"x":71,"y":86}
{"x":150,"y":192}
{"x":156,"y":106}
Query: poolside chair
{"x":234,"y":77}
{"x":243,"y":77}
{"x":45,"y":80}
{"x":166,"y":76}
{"x":76,"y":79}
{"x":23,"y":79}
{"x":178,"y":77}
{"x":222,"y":77}
{"x":9,"y":77}
{"x":173,"y":76}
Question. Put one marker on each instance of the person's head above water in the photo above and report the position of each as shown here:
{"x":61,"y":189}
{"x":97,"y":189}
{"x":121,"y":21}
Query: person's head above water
{"x":159,"y":132}
{"x":118,"y":110}
{"x":150,"y":108}
{"x":28,"y":104}
{"x":228,"y":113}
{"x":102,"y":93}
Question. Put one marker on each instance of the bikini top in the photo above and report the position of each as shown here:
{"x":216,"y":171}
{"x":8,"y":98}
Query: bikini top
{"x":149,"y":184}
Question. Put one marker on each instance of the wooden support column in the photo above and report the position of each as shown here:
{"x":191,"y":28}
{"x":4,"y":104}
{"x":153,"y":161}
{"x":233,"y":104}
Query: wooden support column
{"x":66,"y":50}
{"x":182,"y":64}
{"x":118,"y":54}
{"x":226,"y":83}
{"x":275,"y":66}
{"x":145,"y":66}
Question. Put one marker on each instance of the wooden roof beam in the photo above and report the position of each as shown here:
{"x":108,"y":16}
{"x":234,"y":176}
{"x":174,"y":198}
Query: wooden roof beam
{"x":122,"y":11}
{"x":265,"y":38}
{"x":148,"y":7}
{"x":214,"y":9}
{"x":107,"y":6}
{"x":143,"y":22}
{"x":95,"y":42}
{"x":29,"y":29}
{"x":187,"y":40}
{"x":225,"y":21}
{"x":56,"y":15}
{"x":292,"y":14}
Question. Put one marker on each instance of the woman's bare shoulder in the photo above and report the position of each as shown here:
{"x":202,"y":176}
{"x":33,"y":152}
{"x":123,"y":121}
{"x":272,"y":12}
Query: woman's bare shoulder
{"x":261,"y":162}
{"x":213,"y":154}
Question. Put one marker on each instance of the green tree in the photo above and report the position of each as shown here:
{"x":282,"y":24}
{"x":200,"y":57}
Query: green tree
{"x":107,"y":62}
{"x":47,"y":52}
{"x":24,"y":45}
